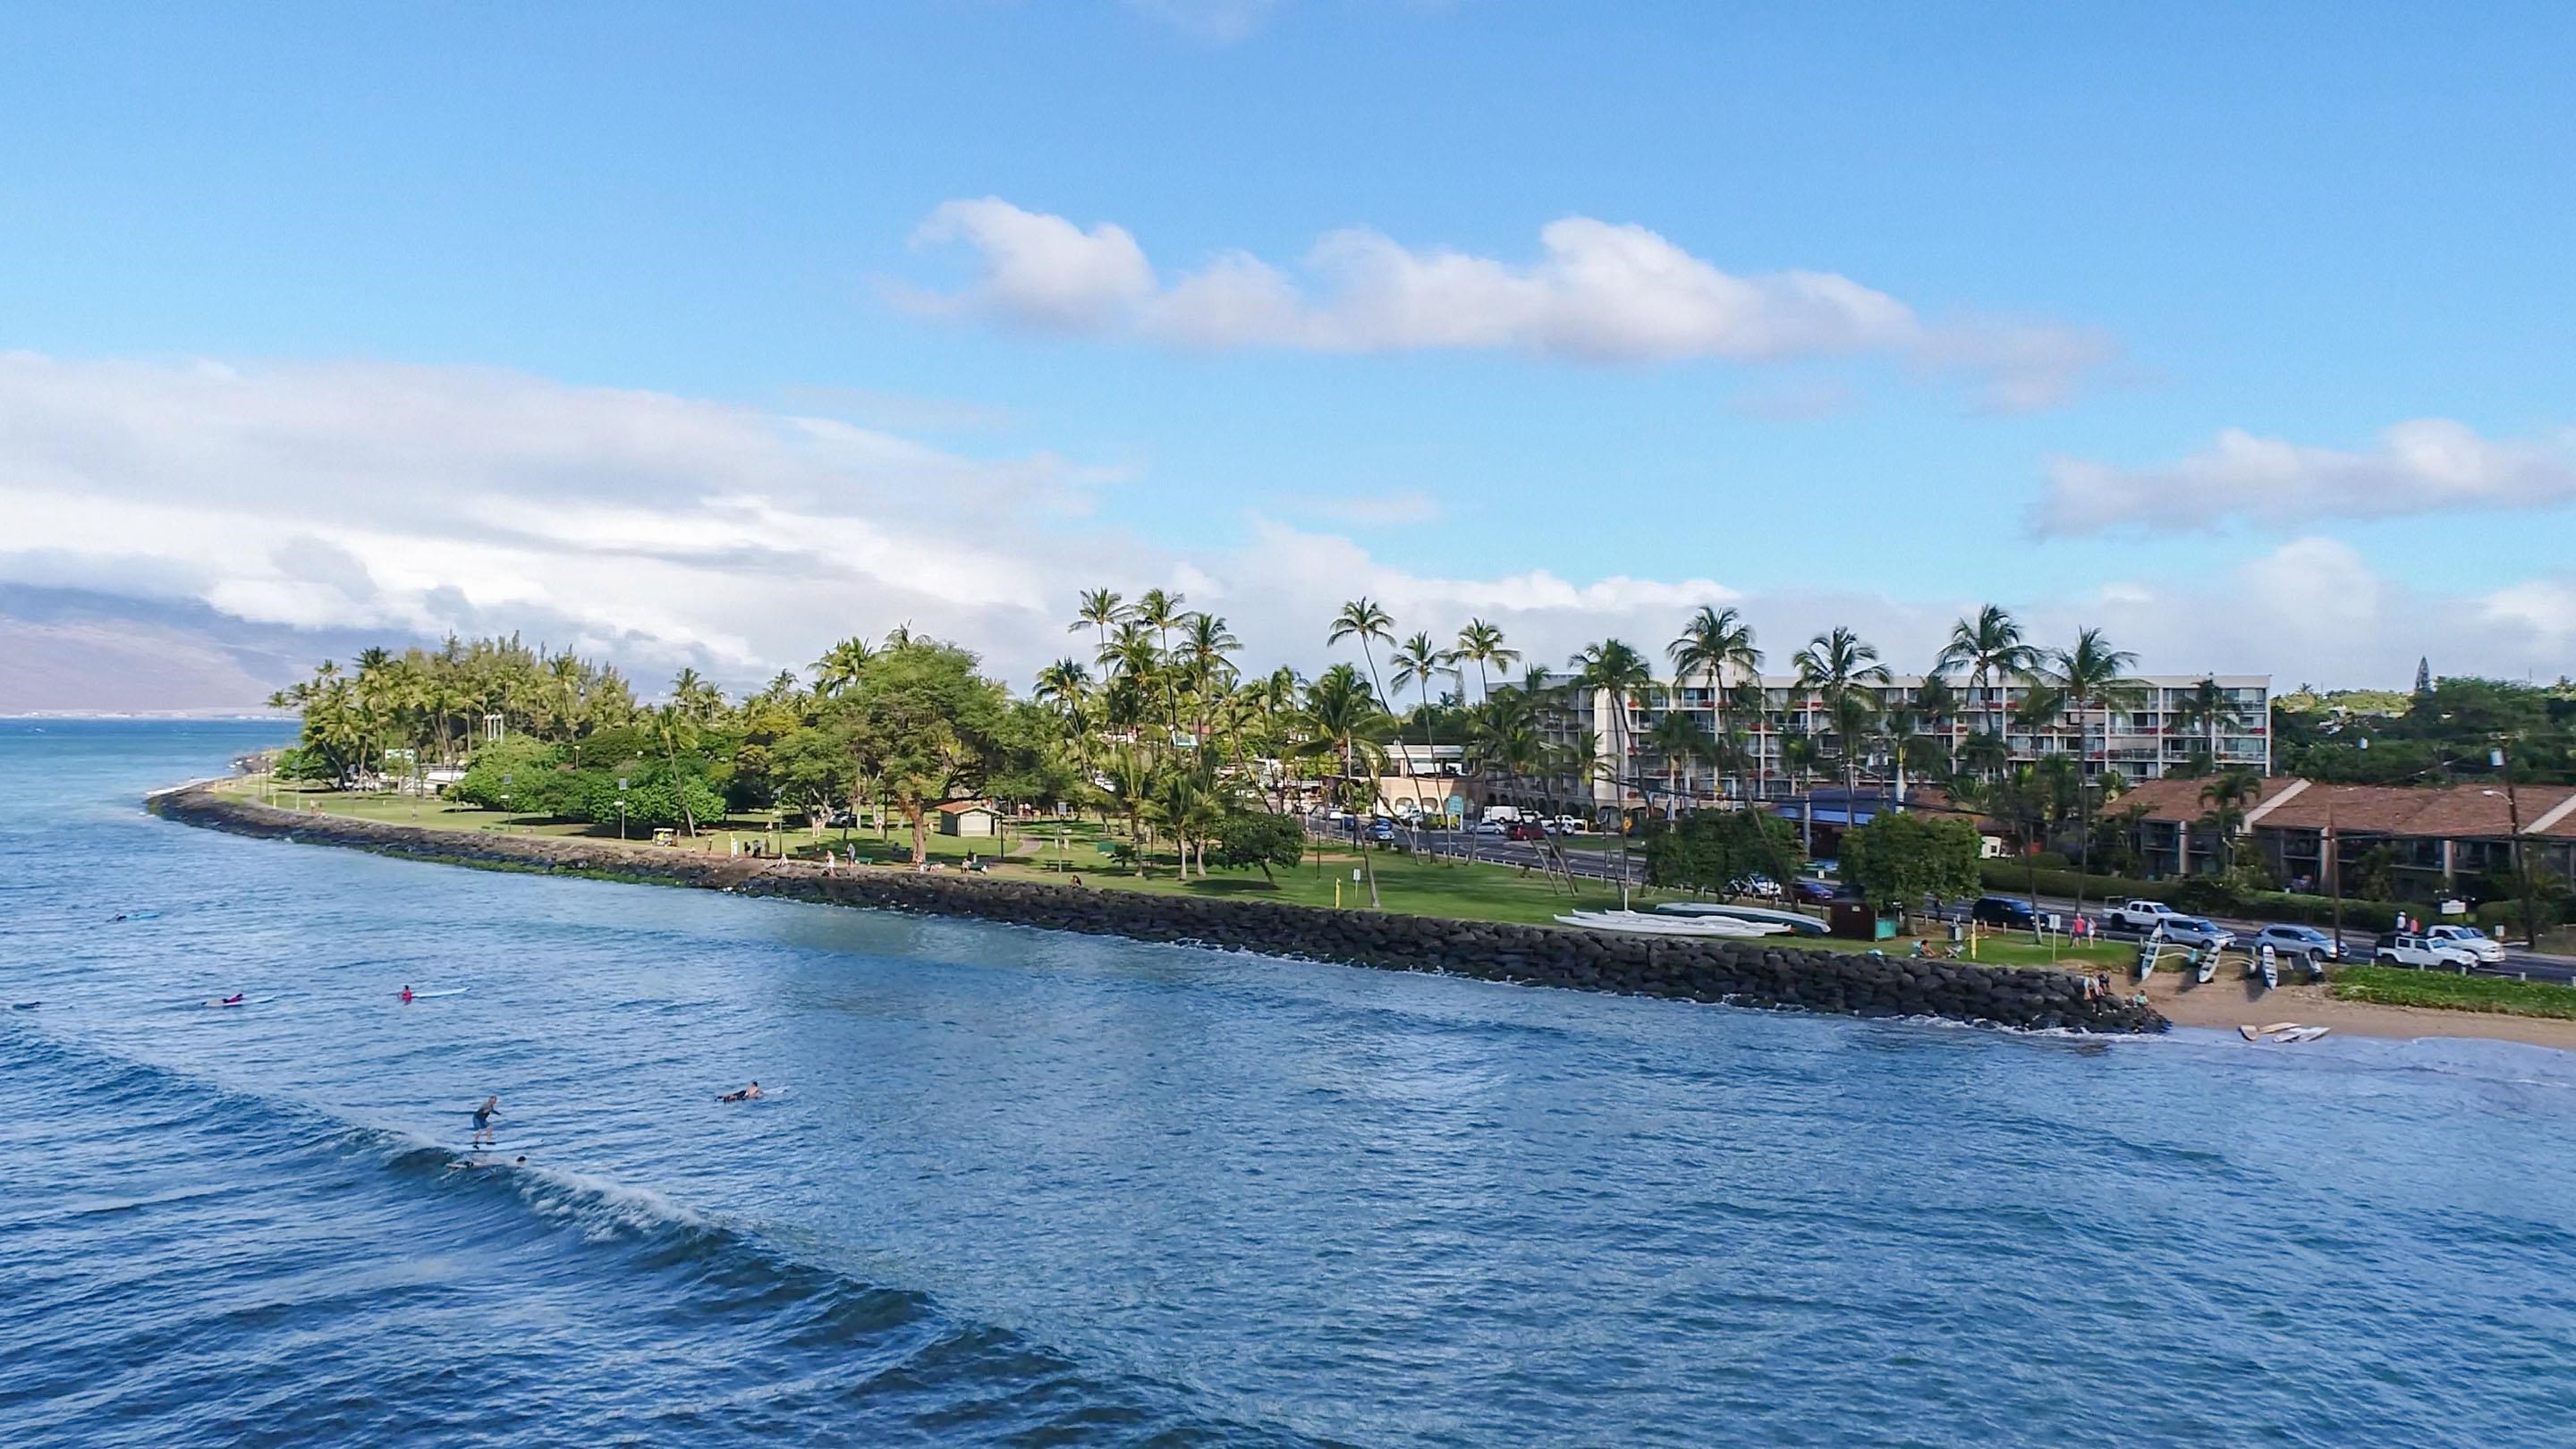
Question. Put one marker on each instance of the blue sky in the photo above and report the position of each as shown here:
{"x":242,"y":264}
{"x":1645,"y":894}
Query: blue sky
{"x":2311,"y":224}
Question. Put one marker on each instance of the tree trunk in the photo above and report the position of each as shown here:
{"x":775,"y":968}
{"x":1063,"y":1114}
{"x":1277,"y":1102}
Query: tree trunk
{"x":920,"y":818}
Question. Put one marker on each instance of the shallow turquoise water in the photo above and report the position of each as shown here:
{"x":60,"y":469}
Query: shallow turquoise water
{"x":1034,"y":1189}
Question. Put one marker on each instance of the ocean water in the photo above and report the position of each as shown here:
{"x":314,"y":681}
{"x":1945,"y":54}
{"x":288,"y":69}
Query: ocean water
{"x":1028,"y":1189}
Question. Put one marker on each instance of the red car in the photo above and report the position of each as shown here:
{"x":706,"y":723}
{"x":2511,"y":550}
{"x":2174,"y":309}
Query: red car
{"x":1523,"y":830}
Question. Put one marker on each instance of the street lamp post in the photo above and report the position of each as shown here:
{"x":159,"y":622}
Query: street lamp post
{"x":621,"y":807}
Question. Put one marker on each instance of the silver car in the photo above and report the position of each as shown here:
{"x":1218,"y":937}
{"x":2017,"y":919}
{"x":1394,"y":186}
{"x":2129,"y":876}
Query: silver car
{"x":2197,"y":931}
{"x":2296,"y":943}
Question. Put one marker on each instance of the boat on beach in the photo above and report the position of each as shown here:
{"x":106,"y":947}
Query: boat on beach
{"x":1764,"y":915}
{"x":1644,"y":923}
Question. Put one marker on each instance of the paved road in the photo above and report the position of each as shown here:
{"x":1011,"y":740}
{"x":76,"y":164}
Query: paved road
{"x":1603,"y":865}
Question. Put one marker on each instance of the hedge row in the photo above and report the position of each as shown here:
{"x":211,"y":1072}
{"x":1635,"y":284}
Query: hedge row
{"x":2201,"y":894}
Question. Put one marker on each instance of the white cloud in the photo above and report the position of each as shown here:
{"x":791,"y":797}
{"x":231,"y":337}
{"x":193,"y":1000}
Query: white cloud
{"x":2430,"y":465}
{"x":663,"y":530}
{"x":1599,"y":292}
{"x":1039,"y":271}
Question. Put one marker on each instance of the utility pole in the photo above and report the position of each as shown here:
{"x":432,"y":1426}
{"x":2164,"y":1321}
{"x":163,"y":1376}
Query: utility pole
{"x":2333,"y":865}
{"x":2513,"y":841}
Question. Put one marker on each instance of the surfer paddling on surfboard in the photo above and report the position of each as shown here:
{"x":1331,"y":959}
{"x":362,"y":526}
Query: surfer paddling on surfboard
{"x":748,"y":1094}
{"x":483,"y":1116}
{"x":236,"y":999}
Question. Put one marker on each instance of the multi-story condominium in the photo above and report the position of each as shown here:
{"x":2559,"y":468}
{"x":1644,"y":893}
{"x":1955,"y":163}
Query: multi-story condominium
{"x":2160,"y":731}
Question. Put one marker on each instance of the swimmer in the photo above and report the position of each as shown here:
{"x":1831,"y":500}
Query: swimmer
{"x":751,"y":1093}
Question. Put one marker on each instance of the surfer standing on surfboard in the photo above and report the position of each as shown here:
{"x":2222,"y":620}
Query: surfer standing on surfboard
{"x":483,"y":1116}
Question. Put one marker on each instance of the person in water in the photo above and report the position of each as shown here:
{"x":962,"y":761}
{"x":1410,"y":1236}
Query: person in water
{"x":751,"y":1093}
{"x":520,"y":1161}
{"x":405,"y":994}
{"x":483,"y":1116}
{"x":236,"y":999}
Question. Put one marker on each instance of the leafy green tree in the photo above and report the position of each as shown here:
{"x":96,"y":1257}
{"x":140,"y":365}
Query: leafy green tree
{"x":1901,"y":858}
{"x":1259,"y":838}
{"x":1718,"y":850}
{"x":922,"y":725}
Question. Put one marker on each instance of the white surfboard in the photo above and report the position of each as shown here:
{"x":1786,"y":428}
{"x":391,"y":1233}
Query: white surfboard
{"x":434,"y":995}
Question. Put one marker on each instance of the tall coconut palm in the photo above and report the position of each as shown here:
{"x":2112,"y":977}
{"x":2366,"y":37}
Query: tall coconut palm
{"x":2226,"y":795}
{"x":1681,"y":741}
{"x":2093,"y":676}
{"x":1481,"y":644}
{"x":1100,"y":610}
{"x":1363,"y":620}
{"x":1991,"y":648}
{"x":1206,"y":661}
{"x":1716,"y":642}
{"x":1842,"y":669}
{"x":1417,"y":662}
{"x":1620,"y":672}
{"x":2209,"y":708}
{"x":1342,"y":719}
{"x":840,"y":666}
{"x":675,"y":730}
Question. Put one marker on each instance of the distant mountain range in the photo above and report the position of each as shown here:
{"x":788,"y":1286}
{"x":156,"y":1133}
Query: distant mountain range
{"x":76,"y":651}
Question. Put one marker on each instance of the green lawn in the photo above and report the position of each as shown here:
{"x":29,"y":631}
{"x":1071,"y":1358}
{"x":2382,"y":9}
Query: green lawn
{"x":2398,"y":986}
{"x":1417,"y":886}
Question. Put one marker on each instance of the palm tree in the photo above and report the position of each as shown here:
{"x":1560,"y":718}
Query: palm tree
{"x":2209,"y":708}
{"x":1681,"y":741}
{"x":1160,"y":612}
{"x":1481,"y":644}
{"x":1100,"y":610}
{"x":674,"y":730}
{"x":1842,"y":669}
{"x":1205,"y":656}
{"x":1342,"y":718}
{"x":2226,"y":796}
{"x":1990,"y":647}
{"x":2094,"y":676}
{"x":1715,"y":642}
{"x":1417,"y":661}
{"x":840,"y":666}
{"x":1363,"y":620}
{"x":1619,"y":671}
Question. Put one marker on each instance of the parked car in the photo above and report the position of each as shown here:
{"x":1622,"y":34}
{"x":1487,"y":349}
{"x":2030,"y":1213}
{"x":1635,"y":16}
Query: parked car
{"x":1523,"y":830}
{"x":2004,"y":911}
{"x":2200,"y":932}
{"x":1381,"y":830}
{"x":2486,"y":948}
{"x":2400,"y":949}
{"x":1492,"y":827}
{"x":2141,"y":916}
{"x":1811,"y":892}
{"x":1760,"y":887}
{"x":2296,"y":943}
{"x":1569,"y":825}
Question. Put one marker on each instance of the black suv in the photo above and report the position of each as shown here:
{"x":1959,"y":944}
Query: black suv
{"x":2003,"y":911}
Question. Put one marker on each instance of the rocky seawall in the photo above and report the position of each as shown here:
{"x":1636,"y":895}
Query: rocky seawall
{"x":1741,"y":973}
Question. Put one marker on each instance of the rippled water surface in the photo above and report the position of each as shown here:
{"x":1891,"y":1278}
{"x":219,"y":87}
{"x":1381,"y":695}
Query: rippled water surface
{"x":1029,"y":1189}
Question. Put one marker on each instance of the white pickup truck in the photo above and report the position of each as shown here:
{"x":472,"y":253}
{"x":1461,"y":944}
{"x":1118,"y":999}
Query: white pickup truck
{"x":2142,"y":917}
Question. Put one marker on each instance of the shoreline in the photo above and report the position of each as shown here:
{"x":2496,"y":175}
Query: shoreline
{"x":2225,"y":1004}
{"x":1759,"y":973}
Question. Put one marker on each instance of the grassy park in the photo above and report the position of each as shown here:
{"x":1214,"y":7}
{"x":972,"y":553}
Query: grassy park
{"x":2399,"y":986}
{"x":1062,"y":848}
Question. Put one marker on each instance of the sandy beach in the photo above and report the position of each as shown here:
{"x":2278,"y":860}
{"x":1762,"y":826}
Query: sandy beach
{"x":2228,"y":1003}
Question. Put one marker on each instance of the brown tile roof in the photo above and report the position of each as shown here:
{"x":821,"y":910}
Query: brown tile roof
{"x":2459,"y":812}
